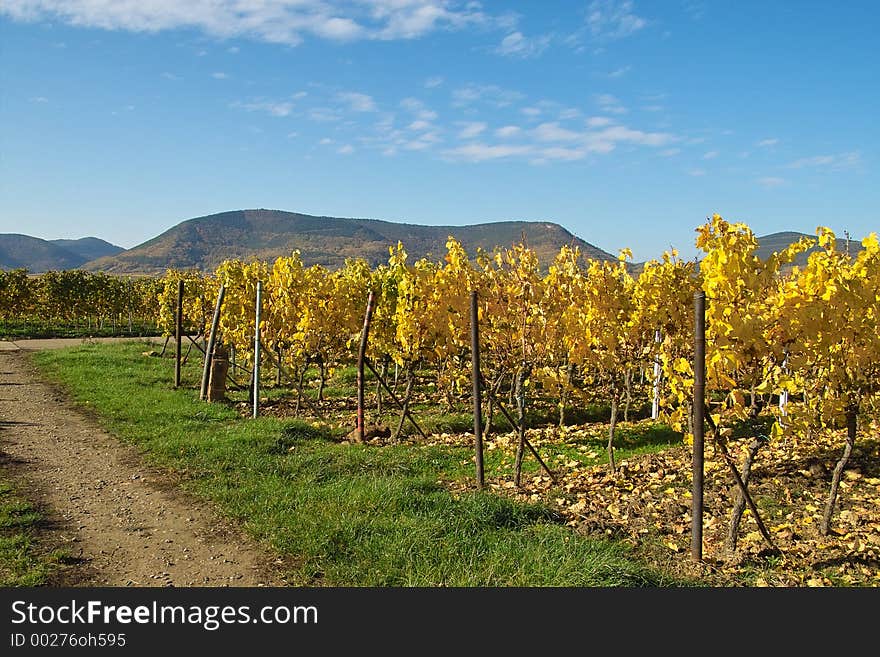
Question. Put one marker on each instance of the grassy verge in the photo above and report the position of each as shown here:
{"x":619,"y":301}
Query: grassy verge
{"x":349,"y":515}
{"x":22,"y":562}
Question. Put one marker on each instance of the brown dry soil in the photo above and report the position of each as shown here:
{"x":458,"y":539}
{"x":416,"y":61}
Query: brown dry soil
{"x":122,"y":523}
{"x":647,"y":503}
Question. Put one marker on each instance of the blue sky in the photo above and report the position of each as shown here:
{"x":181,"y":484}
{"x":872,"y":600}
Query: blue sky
{"x":628,"y":122}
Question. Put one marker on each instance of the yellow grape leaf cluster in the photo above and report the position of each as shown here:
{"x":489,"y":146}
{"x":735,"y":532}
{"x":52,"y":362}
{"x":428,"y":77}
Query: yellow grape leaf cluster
{"x":199,"y":299}
{"x":827,"y":319}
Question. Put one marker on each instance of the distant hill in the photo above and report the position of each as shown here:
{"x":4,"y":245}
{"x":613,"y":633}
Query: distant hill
{"x":38,"y":255}
{"x":204,"y":242}
{"x":89,"y":248}
{"x":775,"y":242}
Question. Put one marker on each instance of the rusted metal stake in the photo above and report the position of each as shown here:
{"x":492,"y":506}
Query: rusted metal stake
{"x":699,"y":418}
{"x":178,"y":333}
{"x":475,"y":384}
{"x":259,"y":303}
{"x":362,"y":352}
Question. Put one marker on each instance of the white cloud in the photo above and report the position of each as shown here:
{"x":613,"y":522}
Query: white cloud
{"x":272,"y":108}
{"x":433,"y":82}
{"x":418,"y":108}
{"x":219,"y":75}
{"x":839,"y":161}
{"x":419,"y":125}
{"x":710,"y":155}
{"x":696,"y":9}
{"x":345,"y":150}
{"x":619,"y":133}
{"x":764,"y":143}
{"x":507,"y":131}
{"x":619,"y":72}
{"x":613,"y":19}
{"x":670,"y":152}
{"x":273,"y":21}
{"x":610,"y":104}
{"x":697,"y":172}
{"x":324,"y":114}
{"x":335,"y":28}
{"x":412,"y":104}
{"x":531,"y":111}
{"x":554,"y":132}
{"x":357,"y":102}
{"x":422,"y":142}
{"x":604,"y":140}
{"x":471,"y":129}
{"x":39,"y":99}
{"x":563,"y":153}
{"x":408,"y":19}
{"x":770,"y":182}
{"x":170,"y":76}
{"x":599,"y":121}
{"x":550,"y":141}
{"x":490,"y":94}
{"x":518,"y":45}
{"x":478,"y":152}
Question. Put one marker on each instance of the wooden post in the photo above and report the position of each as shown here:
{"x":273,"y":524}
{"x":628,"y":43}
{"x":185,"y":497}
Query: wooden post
{"x":257,"y":351}
{"x":209,"y":348}
{"x":699,"y":402}
{"x":475,"y":384}
{"x":178,"y":332}
{"x":362,"y":352}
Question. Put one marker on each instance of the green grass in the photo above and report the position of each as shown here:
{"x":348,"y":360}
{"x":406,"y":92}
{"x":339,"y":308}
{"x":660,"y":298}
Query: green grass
{"x":347,"y":515}
{"x":22,"y":562}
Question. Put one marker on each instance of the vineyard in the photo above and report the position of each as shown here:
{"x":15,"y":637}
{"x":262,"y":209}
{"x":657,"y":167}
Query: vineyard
{"x":387,"y":355}
{"x":75,"y":303}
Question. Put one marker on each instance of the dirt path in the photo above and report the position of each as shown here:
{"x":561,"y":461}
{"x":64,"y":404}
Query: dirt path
{"x":123,"y":522}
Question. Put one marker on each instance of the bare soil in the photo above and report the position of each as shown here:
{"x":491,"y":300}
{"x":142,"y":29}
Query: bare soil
{"x":121,"y":522}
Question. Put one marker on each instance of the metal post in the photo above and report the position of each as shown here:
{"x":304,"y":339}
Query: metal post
{"x":698,"y":417}
{"x":209,"y":348}
{"x":655,"y":406}
{"x":362,"y":352}
{"x":475,"y":382}
{"x":178,"y":332}
{"x":783,"y":395}
{"x":257,"y":351}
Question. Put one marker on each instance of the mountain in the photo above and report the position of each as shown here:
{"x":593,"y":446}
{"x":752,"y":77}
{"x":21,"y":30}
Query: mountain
{"x":34,"y":254}
{"x":39,"y":255}
{"x":204,"y":242}
{"x":89,"y":248}
{"x":775,"y":242}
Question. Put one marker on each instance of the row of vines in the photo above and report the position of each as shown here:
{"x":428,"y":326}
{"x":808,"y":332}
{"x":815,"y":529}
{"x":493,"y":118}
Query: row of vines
{"x":791,"y":351}
{"x":76,"y":302}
